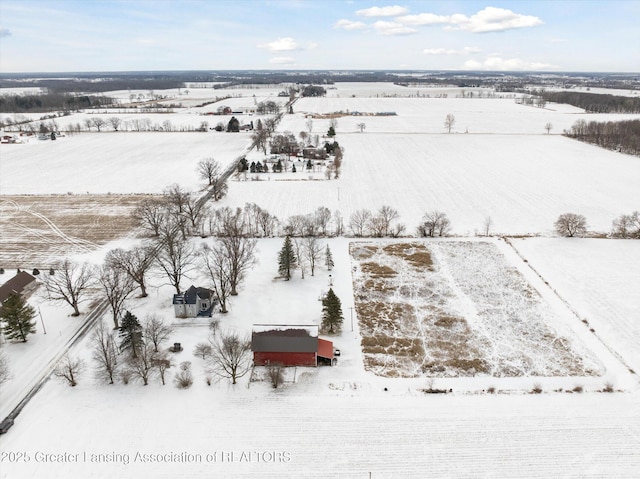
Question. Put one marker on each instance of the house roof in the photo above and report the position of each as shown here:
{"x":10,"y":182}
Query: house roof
{"x":190,"y":296}
{"x":284,"y":339}
{"x":17,"y":284}
{"x":325,"y":348}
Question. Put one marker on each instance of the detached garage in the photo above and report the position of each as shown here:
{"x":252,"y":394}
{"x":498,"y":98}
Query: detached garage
{"x":289,"y":345}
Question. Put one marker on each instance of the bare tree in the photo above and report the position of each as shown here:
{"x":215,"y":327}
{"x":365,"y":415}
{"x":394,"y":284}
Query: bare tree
{"x":488,"y":223}
{"x":202,"y":349}
{"x":219,"y":189}
{"x":184,"y":379}
{"x":177,"y":197}
{"x":322,"y":218}
{"x":230,"y":355}
{"x":298,"y":250}
{"x":449,"y":121}
{"x":362,"y":127}
{"x":571,"y":224}
{"x":98,"y":122}
{"x":275,"y":374}
{"x":5,"y":371}
{"x":114,"y":122}
{"x":135,"y":262}
{"x":309,"y":125}
{"x":434,"y":223}
{"x":156,"y":331}
{"x":143,"y":363}
{"x":209,"y":169}
{"x":260,"y":139}
{"x":105,"y":352}
{"x":70,"y":283}
{"x":626,"y":226}
{"x":358,"y":222}
{"x":241,"y":257}
{"x":338,"y":223}
{"x":69,"y":369}
{"x":337,"y":161}
{"x":216,"y":265}
{"x":117,"y":286}
{"x":312,"y":251}
{"x":548,"y":127}
{"x":151,"y":214}
{"x":162,"y":362}
{"x":387,"y":215}
{"x":175,"y":256}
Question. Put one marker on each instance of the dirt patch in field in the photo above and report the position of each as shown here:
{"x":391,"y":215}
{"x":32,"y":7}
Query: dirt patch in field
{"x":454,"y":309}
{"x":38,"y":230}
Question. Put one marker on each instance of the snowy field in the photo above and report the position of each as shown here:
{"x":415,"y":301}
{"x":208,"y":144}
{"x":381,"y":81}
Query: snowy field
{"x":345,"y":420}
{"x":597,"y":279}
{"x":338,"y":419}
{"x":522,"y":182}
{"x":457,"y":308}
{"x":114,"y":162}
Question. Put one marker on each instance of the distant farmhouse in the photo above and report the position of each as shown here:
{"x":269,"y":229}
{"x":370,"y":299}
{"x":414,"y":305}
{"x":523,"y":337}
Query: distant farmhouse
{"x":194,"y":302}
{"x":288,"y":345}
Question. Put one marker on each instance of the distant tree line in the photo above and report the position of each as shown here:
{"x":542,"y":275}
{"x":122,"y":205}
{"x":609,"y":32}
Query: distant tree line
{"x":593,"y":102}
{"x":622,"y":136}
{"x":49,"y":102}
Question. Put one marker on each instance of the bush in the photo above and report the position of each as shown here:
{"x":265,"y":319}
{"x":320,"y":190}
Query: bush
{"x":184,"y":379}
{"x":577,"y":389}
{"x":537,"y":389}
{"x":35,"y":272}
{"x":608,"y":388}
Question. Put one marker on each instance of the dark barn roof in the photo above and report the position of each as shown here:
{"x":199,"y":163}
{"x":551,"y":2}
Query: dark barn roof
{"x":294,"y":339}
{"x":190,"y":295}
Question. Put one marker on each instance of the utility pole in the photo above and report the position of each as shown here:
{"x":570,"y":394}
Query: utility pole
{"x":42,"y":321}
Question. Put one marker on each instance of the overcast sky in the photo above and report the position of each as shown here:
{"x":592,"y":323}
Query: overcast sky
{"x":130,"y":35}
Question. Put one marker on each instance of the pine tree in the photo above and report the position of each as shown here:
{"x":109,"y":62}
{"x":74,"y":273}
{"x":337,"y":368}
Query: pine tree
{"x":131,"y":334}
{"x":18,"y":317}
{"x":286,"y":259}
{"x":332,"y":313}
{"x":328,"y":259}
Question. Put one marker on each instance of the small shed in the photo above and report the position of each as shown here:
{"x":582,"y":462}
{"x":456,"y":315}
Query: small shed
{"x":289,"y":345}
{"x":194,"y":302}
{"x":21,"y":283}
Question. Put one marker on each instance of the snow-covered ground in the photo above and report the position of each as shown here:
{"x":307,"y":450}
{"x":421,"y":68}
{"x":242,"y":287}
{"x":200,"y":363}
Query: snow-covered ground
{"x":598,"y":279}
{"x":114,"y":162}
{"x":345,"y":421}
{"x":340,"y":419}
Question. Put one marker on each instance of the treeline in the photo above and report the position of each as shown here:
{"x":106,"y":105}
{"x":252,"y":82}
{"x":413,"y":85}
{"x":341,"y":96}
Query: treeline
{"x":594,"y":102}
{"x":622,"y":136}
{"x":45,"y":102}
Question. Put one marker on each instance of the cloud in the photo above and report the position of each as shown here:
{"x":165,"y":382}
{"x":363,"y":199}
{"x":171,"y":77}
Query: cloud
{"x":493,"y":19}
{"x":448,"y":51}
{"x":424,"y":19}
{"x":5,"y":32}
{"x":349,"y":25}
{"x":284,"y":44}
{"x":392,"y":28}
{"x":496,"y":63}
{"x":282,"y":60}
{"x":490,"y":19}
{"x":391,"y":11}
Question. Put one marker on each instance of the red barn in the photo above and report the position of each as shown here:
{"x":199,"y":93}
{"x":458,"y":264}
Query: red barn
{"x":289,"y":345}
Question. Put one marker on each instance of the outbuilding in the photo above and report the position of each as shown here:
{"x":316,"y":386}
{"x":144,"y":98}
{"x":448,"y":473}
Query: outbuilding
{"x":289,"y":345}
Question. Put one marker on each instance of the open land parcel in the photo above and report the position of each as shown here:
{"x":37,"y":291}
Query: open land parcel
{"x":511,"y":330}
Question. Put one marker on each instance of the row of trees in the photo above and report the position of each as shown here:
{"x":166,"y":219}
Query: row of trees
{"x":624,"y":226}
{"x":623,"y":136}
{"x":593,"y":102}
{"x":45,"y":102}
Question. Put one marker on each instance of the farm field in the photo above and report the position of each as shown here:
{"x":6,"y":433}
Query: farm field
{"x":38,"y":231}
{"x":522,"y":182}
{"x":553,"y":433}
{"x":596,"y":278}
{"x":131,"y":162}
{"x":456,"y":308}
{"x":468,"y":315}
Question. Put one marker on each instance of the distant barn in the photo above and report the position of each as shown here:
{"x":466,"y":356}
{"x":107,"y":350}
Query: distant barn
{"x":289,"y":345}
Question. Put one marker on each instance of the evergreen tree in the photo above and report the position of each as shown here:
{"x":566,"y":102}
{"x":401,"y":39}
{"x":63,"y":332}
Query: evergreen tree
{"x":18,"y":317}
{"x":332,"y":132}
{"x":328,"y":259}
{"x":131,"y":334}
{"x":287,"y":259}
{"x":331,"y":313}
